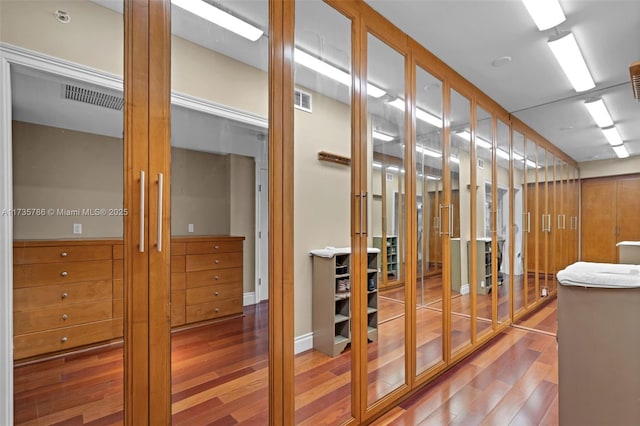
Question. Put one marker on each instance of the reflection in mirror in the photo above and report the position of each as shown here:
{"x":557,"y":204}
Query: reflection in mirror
{"x":386,"y":225}
{"x":429,"y":192}
{"x":67,"y":163}
{"x":533,"y":215}
{"x":545,"y":174}
{"x":560,"y":218}
{"x":219,"y":313}
{"x":324,"y":265}
{"x":460,"y":227}
{"x":503,"y":212}
{"x":521,"y":223}
{"x":485,"y":279}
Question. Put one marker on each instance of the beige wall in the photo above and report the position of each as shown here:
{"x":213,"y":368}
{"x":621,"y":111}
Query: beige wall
{"x":321,"y":194}
{"x":62,"y":169}
{"x":243,"y":209}
{"x":614,"y":167}
{"x":200,"y":193}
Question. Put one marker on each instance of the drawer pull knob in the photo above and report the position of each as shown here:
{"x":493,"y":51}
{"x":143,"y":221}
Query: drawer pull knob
{"x":216,"y":293}
{"x":217,"y":278}
{"x":64,"y":339}
{"x":65,"y":295}
{"x":217,"y":310}
{"x":217,"y":261}
{"x":63,"y":254}
{"x":65,"y":317}
{"x":216,"y":247}
{"x":64,"y":273}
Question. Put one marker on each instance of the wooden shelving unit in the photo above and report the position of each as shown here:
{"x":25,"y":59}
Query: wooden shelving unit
{"x":332,"y":288}
{"x":390,"y":259}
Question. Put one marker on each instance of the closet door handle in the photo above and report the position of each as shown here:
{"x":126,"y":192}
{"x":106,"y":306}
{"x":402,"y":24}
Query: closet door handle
{"x":440,"y":220}
{"x":564,"y":221}
{"x":141,"y":242}
{"x":160,"y":192}
{"x":549,"y":219}
{"x":364,"y":207}
{"x":451,"y":220}
{"x":528,"y":222}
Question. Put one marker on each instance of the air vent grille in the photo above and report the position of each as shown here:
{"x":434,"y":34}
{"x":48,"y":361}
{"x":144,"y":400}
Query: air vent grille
{"x":93,"y":97}
{"x":302,"y":100}
{"x":480,"y":163}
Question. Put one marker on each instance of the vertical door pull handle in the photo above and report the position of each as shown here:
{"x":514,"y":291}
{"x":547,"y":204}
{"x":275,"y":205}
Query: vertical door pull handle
{"x":364,"y":207}
{"x":440,"y":219}
{"x":528,"y":222}
{"x":160,"y":185}
{"x":451,"y":220}
{"x":141,"y":242}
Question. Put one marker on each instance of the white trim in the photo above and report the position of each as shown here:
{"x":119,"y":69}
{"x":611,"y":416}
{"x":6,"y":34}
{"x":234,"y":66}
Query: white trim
{"x":6,"y":243}
{"x":303,"y":343}
{"x":212,"y":108}
{"x":464,"y":289}
{"x":249,"y":298}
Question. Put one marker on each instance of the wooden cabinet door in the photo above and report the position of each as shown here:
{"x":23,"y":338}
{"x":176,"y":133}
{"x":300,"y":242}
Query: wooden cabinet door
{"x":598,"y":221}
{"x":628,"y":206}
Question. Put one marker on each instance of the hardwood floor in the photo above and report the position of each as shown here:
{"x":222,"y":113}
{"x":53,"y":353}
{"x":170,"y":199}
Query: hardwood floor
{"x":219,"y":375}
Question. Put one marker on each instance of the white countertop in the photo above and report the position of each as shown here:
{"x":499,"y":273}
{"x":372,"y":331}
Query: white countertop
{"x":628,"y":243}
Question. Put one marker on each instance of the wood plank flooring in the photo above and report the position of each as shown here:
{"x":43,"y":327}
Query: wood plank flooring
{"x":219,"y":375}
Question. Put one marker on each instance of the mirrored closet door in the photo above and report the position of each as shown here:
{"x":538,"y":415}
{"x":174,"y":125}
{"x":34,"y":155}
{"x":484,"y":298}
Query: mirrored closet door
{"x":218,"y":197}
{"x":504,"y":252}
{"x":521,"y":223}
{"x":67,"y":161}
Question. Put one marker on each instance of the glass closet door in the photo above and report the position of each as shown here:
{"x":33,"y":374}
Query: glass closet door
{"x":68,"y":152}
{"x":386,"y":309}
{"x":326,"y":272}
{"x":534,"y":216}
{"x":545,"y":198}
{"x":521,"y":222}
{"x":429,"y":178}
{"x":459,"y":226}
{"x":504,"y":252}
{"x":218,"y":193}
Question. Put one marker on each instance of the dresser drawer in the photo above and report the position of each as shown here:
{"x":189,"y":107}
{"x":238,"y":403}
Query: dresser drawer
{"x":211,"y":310}
{"x":177,"y":308}
{"x":212,"y":276}
{"x":25,"y":255}
{"x":213,"y":292}
{"x":27,"y":345}
{"x":177,"y":264}
{"x":222,"y":246}
{"x":44,"y":319}
{"x":50,"y":273}
{"x":57,"y":295}
{"x":201,"y":262}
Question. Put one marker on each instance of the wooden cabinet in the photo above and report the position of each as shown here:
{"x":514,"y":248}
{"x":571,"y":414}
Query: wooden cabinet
{"x":332,"y":300}
{"x":206,"y":278}
{"x":70,"y":294}
{"x":484,"y":276}
{"x":609,"y":215}
{"x":67,"y":294}
{"x":389,"y":258}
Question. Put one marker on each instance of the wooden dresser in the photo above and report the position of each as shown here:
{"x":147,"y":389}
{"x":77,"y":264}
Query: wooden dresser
{"x":66,"y":294}
{"x":206,"y":278}
{"x":70,"y":294}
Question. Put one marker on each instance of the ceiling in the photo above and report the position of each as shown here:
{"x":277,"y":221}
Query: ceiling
{"x":467,"y":35}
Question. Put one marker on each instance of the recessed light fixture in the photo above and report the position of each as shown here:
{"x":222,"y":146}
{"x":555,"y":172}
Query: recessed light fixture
{"x":220,"y":17}
{"x":420,"y":114}
{"x":381,"y":136}
{"x":326,"y":69}
{"x":428,"y":152}
{"x":621,"y":151}
{"x":599,"y":112}
{"x":501,"y":61}
{"x":567,"y":53}
{"x":612,"y":135}
{"x":62,"y":16}
{"x":545,"y":13}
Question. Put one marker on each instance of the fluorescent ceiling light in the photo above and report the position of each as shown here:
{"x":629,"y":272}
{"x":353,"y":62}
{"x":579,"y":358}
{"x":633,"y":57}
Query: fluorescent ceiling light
{"x":502,"y":154}
{"x":220,"y":17}
{"x":567,"y":53}
{"x":315,"y":64}
{"x":392,"y":169}
{"x":433,"y":177}
{"x":612,"y":135}
{"x":381,"y":136}
{"x":377,"y":165}
{"x":599,"y":112}
{"x":531,"y":164}
{"x":428,"y":152}
{"x":454,"y":159}
{"x":420,"y":114}
{"x":482,"y":143}
{"x":545,"y":13}
{"x":517,"y":156}
{"x":621,"y":151}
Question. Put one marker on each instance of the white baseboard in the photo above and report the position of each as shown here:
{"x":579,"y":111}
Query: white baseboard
{"x":249,"y":298}
{"x":303,"y":343}
{"x":464,"y":289}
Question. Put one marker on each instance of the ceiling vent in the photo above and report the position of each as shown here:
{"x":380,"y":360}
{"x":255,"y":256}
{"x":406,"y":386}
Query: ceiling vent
{"x":634,"y":70}
{"x":302,"y":100}
{"x":93,"y":97}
